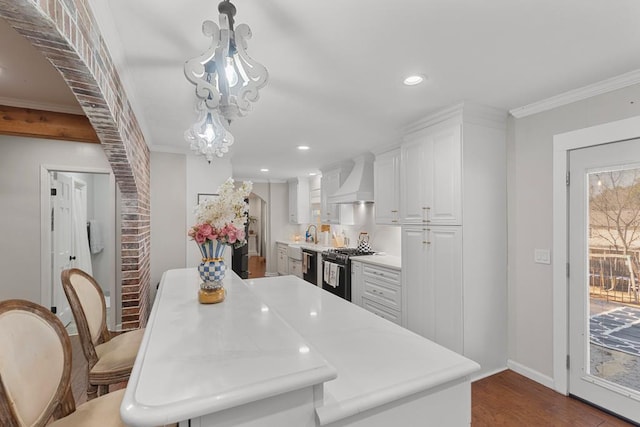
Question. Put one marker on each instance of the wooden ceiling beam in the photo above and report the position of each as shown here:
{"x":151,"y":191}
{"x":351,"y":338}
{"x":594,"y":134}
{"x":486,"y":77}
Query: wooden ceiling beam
{"x":46,"y":124}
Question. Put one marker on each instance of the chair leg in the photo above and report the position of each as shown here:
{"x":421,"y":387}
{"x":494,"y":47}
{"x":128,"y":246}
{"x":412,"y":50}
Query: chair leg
{"x":103,"y":389}
{"x":92,"y":391}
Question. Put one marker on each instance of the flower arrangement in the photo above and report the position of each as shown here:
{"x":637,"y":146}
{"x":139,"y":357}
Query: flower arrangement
{"x":223,"y":218}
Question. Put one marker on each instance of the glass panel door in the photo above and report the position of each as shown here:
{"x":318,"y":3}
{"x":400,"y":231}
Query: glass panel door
{"x":604,"y":246}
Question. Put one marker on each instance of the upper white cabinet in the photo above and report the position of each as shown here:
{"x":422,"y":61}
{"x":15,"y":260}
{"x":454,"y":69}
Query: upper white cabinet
{"x":431,"y":173}
{"x":331,"y":181}
{"x":299,"y":201}
{"x":387,"y":187}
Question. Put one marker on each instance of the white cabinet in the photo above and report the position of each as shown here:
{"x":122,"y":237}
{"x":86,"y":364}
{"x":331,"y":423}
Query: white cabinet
{"x":332,"y":179}
{"x":431,"y":176}
{"x":356,"y":282}
{"x":432,"y":267}
{"x":330,"y":213}
{"x":295,"y":267}
{"x":299,"y":201}
{"x":454,"y":232}
{"x":387,"y":187}
{"x":377,"y":289}
{"x":283,"y":259}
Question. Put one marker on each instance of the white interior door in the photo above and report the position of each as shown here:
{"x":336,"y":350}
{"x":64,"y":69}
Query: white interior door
{"x":62,"y":240}
{"x":604,"y":244}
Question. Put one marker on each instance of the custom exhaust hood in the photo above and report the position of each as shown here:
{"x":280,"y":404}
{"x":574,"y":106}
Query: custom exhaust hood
{"x":358,"y":187}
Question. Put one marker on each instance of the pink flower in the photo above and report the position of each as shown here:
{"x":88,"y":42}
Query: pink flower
{"x":240,"y":234}
{"x":232,"y":235}
{"x":206,"y":230}
{"x":192,"y":232}
{"x":199,"y":238}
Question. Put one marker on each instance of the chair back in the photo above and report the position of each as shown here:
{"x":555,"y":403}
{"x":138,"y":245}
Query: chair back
{"x":89,"y":310}
{"x":35,"y":365}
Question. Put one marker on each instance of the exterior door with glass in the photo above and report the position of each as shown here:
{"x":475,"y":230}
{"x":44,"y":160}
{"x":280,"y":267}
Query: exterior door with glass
{"x":604,"y":260}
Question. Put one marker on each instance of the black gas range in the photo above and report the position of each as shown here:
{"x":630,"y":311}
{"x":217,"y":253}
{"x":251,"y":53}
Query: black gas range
{"x":336,"y":270}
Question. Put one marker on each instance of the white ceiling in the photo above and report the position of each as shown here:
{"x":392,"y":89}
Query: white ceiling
{"x":336,"y":67}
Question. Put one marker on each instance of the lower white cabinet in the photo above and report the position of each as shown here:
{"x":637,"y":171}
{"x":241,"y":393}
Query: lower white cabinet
{"x":432,"y":285}
{"x":295,"y":267}
{"x":377,"y":289}
{"x":283,"y":259}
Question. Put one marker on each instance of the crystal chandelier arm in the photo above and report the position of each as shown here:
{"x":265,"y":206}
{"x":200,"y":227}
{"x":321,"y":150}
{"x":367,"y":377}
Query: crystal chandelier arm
{"x":194,"y":69}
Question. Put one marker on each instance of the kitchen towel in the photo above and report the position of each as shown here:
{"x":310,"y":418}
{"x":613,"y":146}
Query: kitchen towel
{"x":333,"y":275}
{"x":327,"y":270}
{"x":305,"y":262}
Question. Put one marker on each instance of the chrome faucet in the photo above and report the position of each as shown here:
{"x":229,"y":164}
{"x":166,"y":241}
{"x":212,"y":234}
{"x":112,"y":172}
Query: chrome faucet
{"x":315,"y":233}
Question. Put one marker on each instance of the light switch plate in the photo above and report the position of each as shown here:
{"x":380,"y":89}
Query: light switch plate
{"x":542,"y":256}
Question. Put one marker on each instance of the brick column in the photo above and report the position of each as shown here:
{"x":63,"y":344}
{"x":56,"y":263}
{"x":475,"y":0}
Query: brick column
{"x":66,"y":33}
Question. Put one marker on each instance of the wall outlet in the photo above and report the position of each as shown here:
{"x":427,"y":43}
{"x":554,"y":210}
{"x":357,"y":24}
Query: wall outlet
{"x":542,"y":256}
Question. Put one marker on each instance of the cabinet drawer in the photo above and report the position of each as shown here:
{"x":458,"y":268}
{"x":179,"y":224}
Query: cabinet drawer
{"x":383,"y":293}
{"x":386,"y":274}
{"x":382,"y":311}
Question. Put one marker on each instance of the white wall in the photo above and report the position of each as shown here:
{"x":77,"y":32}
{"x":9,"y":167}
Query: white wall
{"x":202,"y":177}
{"x":20,"y":160}
{"x":530,"y":158}
{"x":168,"y":215}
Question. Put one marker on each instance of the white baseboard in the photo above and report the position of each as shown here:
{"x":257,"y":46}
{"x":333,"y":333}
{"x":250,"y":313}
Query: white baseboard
{"x":488,"y":374}
{"x":531,"y":374}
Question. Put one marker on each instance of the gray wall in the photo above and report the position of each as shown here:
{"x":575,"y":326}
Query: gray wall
{"x":20,"y":161}
{"x":168,"y":217}
{"x":530,"y":160}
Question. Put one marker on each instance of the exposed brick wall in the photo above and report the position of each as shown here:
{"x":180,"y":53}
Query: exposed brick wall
{"x":66,"y":33}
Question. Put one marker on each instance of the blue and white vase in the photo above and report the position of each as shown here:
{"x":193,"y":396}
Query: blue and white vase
{"x":212,"y":270}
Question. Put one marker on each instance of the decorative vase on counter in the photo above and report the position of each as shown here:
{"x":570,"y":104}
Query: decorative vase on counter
{"x":212,"y":270}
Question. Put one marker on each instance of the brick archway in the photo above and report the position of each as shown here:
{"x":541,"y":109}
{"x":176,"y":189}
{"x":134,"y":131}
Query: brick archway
{"x":66,"y":33}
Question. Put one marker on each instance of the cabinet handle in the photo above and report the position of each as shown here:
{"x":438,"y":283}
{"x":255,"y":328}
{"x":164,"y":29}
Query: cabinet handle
{"x":428,"y":218}
{"x":427,"y":241}
{"x":394,"y":211}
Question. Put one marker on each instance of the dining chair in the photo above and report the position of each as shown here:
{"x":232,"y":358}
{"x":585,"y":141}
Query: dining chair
{"x":35,"y":373}
{"x":110,"y":356}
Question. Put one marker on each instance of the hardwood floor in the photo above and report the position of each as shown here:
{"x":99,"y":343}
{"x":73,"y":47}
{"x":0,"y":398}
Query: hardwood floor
{"x":504,"y":399}
{"x":257,"y":266}
{"x":509,"y":399}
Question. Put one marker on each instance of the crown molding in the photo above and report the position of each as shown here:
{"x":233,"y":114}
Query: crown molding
{"x":42,"y":106}
{"x":604,"y":86}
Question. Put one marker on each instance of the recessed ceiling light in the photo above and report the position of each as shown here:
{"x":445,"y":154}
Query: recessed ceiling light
{"x":303,"y":147}
{"x":312,"y":174}
{"x":264,"y":170}
{"x":414,"y":80}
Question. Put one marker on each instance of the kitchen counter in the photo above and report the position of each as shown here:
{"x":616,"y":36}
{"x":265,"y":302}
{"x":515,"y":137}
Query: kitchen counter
{"x":388,"y":261}
{"x":280,"y":351}
{"x":306,"y":245}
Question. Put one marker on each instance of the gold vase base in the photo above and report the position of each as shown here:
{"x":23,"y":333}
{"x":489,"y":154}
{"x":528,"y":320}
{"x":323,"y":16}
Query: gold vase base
{"x":211,"y":296}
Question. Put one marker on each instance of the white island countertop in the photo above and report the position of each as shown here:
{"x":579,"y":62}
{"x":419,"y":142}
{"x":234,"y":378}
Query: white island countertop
{"x":279,"y":340}
{"x":378,"y":362}
{"x":197,"y":359}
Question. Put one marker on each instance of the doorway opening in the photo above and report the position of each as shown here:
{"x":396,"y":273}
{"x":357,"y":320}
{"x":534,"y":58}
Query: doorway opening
{"x":78,"y":229}
{"x":256,"y":239}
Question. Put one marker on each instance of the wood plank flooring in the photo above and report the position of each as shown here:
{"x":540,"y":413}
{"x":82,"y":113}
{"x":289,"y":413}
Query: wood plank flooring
{"x":509,"y":399}
{"x":504,"y":399}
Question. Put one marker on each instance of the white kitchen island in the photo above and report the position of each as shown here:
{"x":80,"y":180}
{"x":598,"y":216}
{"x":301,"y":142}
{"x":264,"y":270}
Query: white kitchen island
{"x":282,"y":352}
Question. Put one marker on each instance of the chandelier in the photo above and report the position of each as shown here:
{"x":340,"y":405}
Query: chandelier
{"x":227,"y":81}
